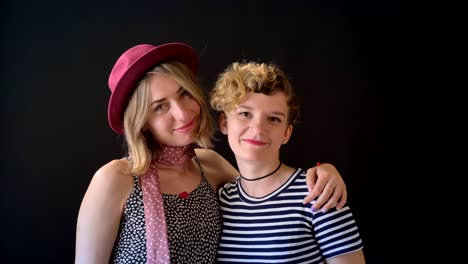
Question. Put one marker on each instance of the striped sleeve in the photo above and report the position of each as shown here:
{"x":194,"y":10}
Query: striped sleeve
{"x":278,"y":228}
{"x":336,"y":232}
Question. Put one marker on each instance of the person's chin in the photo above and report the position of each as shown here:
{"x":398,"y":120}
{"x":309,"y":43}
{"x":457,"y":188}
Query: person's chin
{"x":185,"y":138}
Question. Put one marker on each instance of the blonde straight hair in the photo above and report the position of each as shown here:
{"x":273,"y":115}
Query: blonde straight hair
{"x":141,"y":145}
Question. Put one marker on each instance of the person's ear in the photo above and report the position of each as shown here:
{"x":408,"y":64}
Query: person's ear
{"x":223,"y":123}
{"x":287,"y":134}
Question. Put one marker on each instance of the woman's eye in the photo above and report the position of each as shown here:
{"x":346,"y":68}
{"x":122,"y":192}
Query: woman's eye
{"x":185,"y":93}
{"x":160,"y":107}
{"x":275,"y":119}
{"x":244,"y":114}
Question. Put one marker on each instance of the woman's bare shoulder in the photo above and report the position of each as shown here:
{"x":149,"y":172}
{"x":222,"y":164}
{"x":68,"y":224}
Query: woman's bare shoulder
{"x":113,"y":178}
{"x":205,"y":153}
{"x":217,"y":169}
{"x":117,"y":167}
{"x":211,"y":158}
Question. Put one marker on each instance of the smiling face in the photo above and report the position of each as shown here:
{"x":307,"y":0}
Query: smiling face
{"x":174,"y":114}
{"x":257,"y":127}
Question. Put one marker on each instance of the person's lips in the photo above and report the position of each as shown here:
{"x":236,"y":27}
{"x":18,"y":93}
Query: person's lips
{"x":186,"y":127}
{"x":255,"y":142}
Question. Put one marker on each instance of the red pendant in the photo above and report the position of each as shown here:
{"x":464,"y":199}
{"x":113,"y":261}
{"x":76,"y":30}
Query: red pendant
{"x":183,"y":195}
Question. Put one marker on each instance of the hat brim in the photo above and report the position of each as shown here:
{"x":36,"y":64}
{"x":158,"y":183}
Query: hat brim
{"x":129,"y":80}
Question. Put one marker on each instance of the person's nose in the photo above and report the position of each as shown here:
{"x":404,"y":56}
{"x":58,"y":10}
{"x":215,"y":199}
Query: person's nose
{"x":180,"y":112}
{"x":258,"y":124}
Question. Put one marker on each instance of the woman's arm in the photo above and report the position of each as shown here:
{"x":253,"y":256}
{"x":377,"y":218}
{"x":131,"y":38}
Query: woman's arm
{"x":355,"y":257}
{"x":100,"y":213}
{"x":326,"y":183}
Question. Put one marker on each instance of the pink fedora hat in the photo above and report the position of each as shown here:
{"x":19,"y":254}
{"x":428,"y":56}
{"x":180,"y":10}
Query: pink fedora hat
{"x":132,"y":66}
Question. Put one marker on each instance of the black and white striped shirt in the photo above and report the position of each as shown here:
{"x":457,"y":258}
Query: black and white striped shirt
{"x":278,"y":228}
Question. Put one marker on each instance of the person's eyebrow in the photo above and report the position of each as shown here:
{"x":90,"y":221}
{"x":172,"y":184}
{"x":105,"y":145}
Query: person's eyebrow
{"x":163,"y":99}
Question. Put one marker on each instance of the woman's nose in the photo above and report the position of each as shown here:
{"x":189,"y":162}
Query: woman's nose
{"x":179,"y":111}
{"x":258,"y":124}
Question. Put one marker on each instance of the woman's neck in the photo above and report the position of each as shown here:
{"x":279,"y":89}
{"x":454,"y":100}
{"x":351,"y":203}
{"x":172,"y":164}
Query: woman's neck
{"x":256,"y":180}
{"x":256,"y":168}
{"x":174,"y":155}
{"x":175,"y":179}
{"x":177,"y":170}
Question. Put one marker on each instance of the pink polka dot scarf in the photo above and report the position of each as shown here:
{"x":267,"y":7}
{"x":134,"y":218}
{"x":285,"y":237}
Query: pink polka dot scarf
{"x":157,"y":249}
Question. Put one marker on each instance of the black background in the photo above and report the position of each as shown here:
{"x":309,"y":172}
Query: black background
{"x":359,"y":69}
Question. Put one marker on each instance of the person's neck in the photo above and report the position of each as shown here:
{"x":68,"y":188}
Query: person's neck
{"x":174,"y":158}
{"x":174,"y":155}
{"x":180,"y":168}
{"x":255,"y":178}
{"x":177,"y":179}
{"x":177,"y":170}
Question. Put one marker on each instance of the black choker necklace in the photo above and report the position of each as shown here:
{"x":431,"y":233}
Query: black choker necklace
{"x":259,"y":178}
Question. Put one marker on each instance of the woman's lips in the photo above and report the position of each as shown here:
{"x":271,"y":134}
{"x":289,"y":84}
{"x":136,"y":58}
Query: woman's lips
{"x":187,"y":127}
{"x":255,"y":142}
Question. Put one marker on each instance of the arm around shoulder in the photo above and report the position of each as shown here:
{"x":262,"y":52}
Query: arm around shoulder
{"x":100,"y":212}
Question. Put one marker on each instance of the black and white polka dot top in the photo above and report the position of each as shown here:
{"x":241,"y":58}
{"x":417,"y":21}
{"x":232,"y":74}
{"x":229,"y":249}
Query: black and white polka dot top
{"x":193,"y":226}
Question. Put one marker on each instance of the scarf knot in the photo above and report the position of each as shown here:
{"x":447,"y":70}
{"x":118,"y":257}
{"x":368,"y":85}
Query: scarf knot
{"x":169,"y":155}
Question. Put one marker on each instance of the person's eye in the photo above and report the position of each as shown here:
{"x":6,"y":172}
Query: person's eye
{"x":185,"y":93}
{"x":274,"y":119}
{"x":160,"y":107}
{"x":244,"y":114}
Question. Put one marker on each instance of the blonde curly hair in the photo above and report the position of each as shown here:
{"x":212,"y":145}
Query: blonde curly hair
{"x":241,"y":78}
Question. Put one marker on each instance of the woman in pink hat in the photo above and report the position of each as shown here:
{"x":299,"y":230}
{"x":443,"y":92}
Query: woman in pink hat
{"x":159,"y":204}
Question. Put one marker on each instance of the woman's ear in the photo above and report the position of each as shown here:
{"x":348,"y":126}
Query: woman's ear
{"x":222,"y":123}
{"x":287,"y":134}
